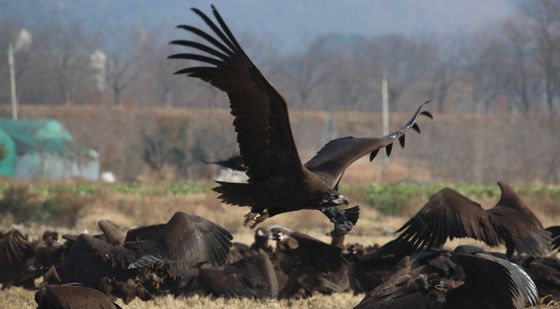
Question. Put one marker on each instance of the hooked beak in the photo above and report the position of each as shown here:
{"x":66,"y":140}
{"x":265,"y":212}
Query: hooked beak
{"x":341,"y":200}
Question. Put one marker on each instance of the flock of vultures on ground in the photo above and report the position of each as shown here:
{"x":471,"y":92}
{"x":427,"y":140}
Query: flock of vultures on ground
{"x":190,"y":255}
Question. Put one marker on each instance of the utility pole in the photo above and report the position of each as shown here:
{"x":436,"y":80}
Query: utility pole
{"x":385,"y":115}
{"x":385,"y":103}
{"x":11,"y":64}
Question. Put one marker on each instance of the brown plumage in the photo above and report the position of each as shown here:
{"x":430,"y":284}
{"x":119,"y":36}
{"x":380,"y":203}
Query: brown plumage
{"x":545,"y":272}
{"x":189,"y":240}
{"x":72,"y":296}
{"x":253,"y":276}
{"x":16,"y":253}
{"x":112,"y":233}
{"x":311,"y":265}
{"x":278,"y":182}
{"x":448,"y":214}
{"x":555,"y":235}
{"x":435,"y":280}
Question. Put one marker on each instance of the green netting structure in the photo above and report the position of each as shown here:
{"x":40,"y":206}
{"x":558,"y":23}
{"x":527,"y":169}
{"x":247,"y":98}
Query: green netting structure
{"x":43,"y":148}
{"x":7,"y":155}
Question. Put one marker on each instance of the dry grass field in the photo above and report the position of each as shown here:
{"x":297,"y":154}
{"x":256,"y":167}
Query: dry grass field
{"x":129,"y":210}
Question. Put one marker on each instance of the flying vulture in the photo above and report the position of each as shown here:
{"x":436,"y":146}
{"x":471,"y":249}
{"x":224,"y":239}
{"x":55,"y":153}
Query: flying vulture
{"x":449,"y":214}
{"x":278,"y":182}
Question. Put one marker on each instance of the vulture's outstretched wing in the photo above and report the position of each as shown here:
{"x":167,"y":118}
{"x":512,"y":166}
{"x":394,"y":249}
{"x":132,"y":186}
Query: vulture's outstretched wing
{"x":189,"y":240}
{"x":555,"y":235}
{"x":448,"y":214}
{"x":491,"y":280}
{"x":517,"y":225}
{"x":331,"y":161}
{"x":261,"y":115}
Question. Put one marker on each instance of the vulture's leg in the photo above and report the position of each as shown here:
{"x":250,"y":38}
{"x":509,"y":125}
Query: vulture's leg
{"x":343,"y":219}
{"x":249,"y":217}
{"x":263,"y":216}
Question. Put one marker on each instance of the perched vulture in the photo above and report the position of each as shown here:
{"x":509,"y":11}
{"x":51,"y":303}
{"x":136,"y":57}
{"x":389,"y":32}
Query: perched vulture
{"x":545,"y":272}
{"x":278,"y":182}
{"x":16,"y":253}
{"x":72,"y":296}
{"x":253,"y":277}
{"x":187,"y":241}
{"x":311,"y":265}
{"x":448,"y":214}
{"x":440,"y":280}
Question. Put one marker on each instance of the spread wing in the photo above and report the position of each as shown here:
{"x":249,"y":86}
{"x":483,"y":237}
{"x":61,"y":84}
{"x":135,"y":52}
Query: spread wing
{"x":261,"y":120}
{"x":188,"y":240}
{"x":448,"y":214}
{"x":331,"y":161}
{"x":491,"y":280}
{"x":517,"y":225}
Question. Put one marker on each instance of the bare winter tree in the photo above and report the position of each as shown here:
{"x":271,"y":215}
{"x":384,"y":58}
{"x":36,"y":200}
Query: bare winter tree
{"x":123,"y":53}
{"x":544,"y":17}
{"x":64,"y":48}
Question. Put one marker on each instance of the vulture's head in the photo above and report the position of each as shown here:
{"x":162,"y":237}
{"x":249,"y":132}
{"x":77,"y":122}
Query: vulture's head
{"x":333,"y":198}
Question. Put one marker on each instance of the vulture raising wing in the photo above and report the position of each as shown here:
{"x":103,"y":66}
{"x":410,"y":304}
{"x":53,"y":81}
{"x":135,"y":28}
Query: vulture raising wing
{"x":189,"y":240}
{"x":277,"y":181}
{"x":517,"y":226}
{"x":448,"y":214}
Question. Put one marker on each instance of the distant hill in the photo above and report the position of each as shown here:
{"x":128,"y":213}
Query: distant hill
{"x":292,"y":23}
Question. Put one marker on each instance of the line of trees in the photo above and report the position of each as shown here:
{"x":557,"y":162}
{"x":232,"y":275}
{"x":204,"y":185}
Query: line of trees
{"x":510,"y":67}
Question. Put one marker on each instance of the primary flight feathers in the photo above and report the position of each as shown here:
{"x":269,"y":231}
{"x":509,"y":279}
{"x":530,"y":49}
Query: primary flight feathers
{"x":277,"y":180}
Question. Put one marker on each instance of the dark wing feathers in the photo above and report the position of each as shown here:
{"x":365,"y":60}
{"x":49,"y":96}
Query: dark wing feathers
{"x":517,"y":224}
{"x":188,"y":240}
{"x":15,"y":250}
{"x":448,"y":214}
{"x":491,"y":280}
{"x":555,"y":235}
{"x":339,"y":153}
{"x":317,"y":253}
{"x":261,"y":116}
